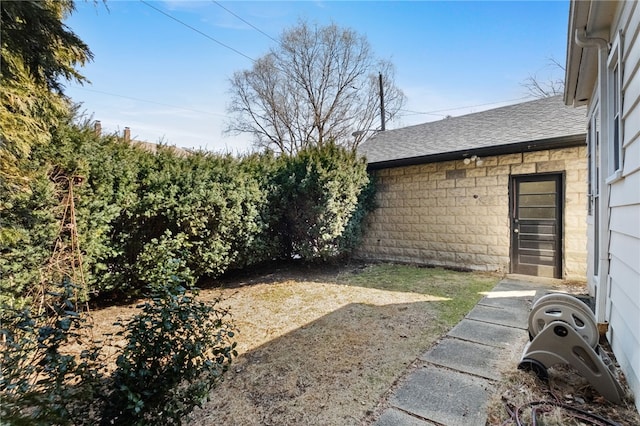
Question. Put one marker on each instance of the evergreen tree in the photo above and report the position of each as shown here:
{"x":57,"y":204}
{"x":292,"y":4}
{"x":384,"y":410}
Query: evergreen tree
{"x":38,"y":51}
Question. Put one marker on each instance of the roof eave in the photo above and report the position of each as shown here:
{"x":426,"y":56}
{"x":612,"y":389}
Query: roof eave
{"x":529,"y":146}
{"x":576,"y":60}
{"x":581,"y":71}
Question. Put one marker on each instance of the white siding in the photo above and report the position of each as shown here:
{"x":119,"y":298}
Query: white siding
{"x":624,"y":268}
{"x":626,"y":192}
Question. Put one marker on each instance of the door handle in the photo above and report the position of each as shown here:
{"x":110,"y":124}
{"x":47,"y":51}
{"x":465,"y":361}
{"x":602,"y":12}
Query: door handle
{"x":516,"y":231}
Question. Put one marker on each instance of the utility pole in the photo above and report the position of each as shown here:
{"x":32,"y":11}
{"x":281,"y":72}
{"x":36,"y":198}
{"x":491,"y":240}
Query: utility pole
{"x":381,"y":103}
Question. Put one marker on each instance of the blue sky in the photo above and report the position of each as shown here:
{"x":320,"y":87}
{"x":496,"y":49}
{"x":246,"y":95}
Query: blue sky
{"x":170,"y":83}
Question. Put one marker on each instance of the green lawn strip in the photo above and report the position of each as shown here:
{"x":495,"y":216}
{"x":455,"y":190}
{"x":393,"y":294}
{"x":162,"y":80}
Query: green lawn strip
{"x":462,"y":289}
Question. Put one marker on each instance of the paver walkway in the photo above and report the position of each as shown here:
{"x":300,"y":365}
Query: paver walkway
{"x":455,"y":378}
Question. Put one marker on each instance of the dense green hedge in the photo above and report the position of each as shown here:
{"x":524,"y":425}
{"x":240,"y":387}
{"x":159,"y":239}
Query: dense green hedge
{"x":216,"y":212}
{"x":317,"y":199}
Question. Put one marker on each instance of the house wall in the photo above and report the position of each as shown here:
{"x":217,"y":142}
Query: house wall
{"x":624,"y":230}
{"x":457,"y":215}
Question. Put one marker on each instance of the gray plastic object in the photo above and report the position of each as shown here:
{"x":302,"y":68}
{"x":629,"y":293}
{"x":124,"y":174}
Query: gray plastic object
{"x":562,"y":332}
{"x":559,"y":306}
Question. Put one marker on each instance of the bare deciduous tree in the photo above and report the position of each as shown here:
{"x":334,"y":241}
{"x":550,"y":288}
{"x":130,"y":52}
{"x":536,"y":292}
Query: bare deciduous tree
{"x":318,"y":84}
{"x":545,"y":88}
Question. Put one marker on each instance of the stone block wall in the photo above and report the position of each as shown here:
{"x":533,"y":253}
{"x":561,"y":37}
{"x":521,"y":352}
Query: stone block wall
{"x":457,"y":215}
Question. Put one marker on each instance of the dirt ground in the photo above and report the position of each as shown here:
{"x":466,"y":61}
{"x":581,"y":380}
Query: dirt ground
{"x":314,"y":350}
{"x":317,"y":349}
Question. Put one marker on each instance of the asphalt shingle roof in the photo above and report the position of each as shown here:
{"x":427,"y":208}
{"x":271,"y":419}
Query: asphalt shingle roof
{"x":542,"y":119}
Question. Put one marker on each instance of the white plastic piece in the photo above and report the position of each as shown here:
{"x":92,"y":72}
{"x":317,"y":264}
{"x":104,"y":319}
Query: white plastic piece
{"x":564,"y":307}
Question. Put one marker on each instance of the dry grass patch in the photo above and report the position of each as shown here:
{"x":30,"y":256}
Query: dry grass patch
{"x":322,"y":347}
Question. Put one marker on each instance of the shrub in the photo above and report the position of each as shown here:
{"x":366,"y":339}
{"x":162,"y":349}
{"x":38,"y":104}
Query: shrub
{"x":354,"y":229}
{"x":318,"y":200}
{"x":176,"y":352}
{"x":30,"y":220}
{"x":163,"y":258}
{"x":42,"y":381}
{"x":27,"y":232}
{"x":226,"y":212}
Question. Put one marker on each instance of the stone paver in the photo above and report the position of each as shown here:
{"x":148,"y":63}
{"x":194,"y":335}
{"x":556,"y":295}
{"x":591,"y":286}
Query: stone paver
{"x":467,"y":357}
{"x":490,"y":334}
{"x":444,"y":396}
{"x":502,"y":316}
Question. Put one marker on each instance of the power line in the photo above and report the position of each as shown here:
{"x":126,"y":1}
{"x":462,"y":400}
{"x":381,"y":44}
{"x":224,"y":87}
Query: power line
{"x":196,"y":30}
{"x":419,"y":113}
{"x":463,"y":107}
{"x":149,"y":102}
{"x":248,"y":23}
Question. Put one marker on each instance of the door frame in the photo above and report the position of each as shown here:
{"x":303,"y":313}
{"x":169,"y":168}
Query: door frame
{"x":513,"y":205}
